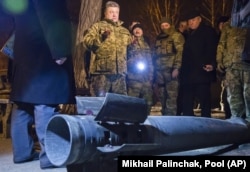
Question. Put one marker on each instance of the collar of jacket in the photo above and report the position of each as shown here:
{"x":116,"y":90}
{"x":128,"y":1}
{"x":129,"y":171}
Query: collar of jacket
{"x":165,"y":33}
{"x":169,"y":31}
{"x":118,"y":23}
{"x":162,"y":36}
{"x":192,"y":31}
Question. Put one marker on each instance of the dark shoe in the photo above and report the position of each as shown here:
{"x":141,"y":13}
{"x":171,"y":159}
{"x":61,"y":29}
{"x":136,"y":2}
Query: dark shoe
{"x":34,"y":157}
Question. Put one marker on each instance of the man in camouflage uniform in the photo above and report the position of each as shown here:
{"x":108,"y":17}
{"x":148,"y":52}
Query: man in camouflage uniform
{"x":108,"y":40}
{"x":224,"y":105}
{"x":140,"y":67}
{"x":168,"y":55}
{"x":229,"y":59}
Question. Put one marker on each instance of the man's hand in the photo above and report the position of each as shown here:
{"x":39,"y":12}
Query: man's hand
{"x":134,"y":40}
{"x":208,"y":68}
{"x":61,"y":60}
{"x":221,"y":68}
{"x":175,"y":73}
{"x":105,"y":35}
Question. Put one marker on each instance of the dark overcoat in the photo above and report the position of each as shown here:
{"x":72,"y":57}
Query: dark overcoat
{"x":199,"y":50}
{"x":42,"y":35}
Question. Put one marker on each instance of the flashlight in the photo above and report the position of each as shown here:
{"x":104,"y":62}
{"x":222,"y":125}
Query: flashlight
{"x":140,"y":66}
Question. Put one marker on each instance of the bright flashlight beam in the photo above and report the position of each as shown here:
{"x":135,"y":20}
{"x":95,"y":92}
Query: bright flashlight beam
{"x":141,"y":66}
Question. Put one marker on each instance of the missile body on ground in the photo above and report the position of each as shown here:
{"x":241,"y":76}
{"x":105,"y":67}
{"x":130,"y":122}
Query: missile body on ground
{"x":93,"y":143}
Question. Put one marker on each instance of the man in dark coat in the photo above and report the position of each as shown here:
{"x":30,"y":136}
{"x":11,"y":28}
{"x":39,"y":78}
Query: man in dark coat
{"x":198,"y":65}
{"x":42,"y":75}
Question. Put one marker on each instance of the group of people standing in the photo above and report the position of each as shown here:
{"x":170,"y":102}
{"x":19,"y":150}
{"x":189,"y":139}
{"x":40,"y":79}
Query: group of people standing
{"x":124,"y":62}
{"x":182,"y":66}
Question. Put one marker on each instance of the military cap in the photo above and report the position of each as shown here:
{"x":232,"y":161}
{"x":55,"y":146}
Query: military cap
{"x":165,"y":20}
{"x":135,"y":26}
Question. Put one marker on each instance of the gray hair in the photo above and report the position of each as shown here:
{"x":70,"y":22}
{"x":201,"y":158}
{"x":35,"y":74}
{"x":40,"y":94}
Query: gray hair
{"x":112,"y":4}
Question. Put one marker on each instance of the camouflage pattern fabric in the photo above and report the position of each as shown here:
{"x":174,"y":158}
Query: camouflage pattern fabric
{"x":101,"y":84}
{"x":111,"y":53}
{"x":109,"y":59}
{"x":140,"y":70}
{"x":141,"y":90}
{"x":237,"y":79}
{"x":167,"y":57}
{"x":238,"y":90}
{"x":168,"y":50}
{"x":168,"y":97}
{"x":230,"y":47}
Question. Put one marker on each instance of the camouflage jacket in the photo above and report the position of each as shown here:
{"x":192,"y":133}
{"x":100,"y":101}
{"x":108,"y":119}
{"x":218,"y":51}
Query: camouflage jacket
{"x":168,"y":50}
{"x":230,"y":47}
{"x":110,"y":54}
{"x":139,"y":61}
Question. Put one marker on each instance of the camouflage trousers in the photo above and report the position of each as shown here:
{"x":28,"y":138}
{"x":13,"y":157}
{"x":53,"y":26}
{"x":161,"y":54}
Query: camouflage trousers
{"x":141,"y":90}
{"x":102,"y":84}
{"x":238,"y":92}
{"x":168,"y":92}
